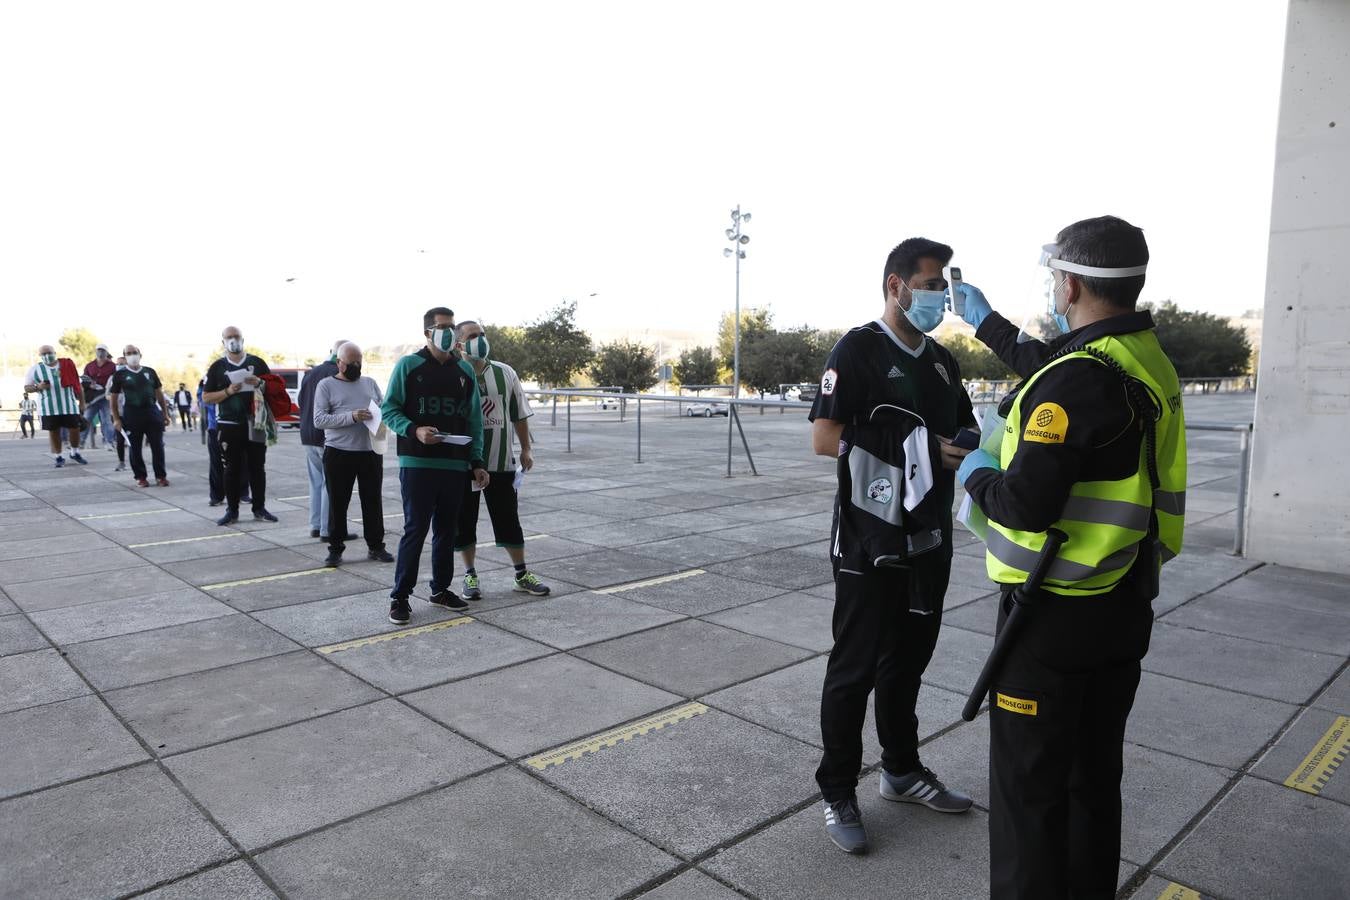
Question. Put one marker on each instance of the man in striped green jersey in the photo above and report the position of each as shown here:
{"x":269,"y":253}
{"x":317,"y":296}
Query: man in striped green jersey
{"x":505,"y":414}
{"x":60,"y":405}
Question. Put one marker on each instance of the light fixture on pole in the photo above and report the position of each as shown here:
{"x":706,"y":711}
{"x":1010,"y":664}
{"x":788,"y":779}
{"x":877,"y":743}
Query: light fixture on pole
{"x":737,"y":240}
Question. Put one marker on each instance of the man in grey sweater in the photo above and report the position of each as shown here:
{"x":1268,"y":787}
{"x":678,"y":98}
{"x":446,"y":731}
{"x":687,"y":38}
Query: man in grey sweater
{"x":342,"y":408}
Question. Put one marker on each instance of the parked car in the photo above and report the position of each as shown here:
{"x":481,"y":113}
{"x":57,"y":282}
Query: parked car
{"x":292,"y":377}
{"x":706,"y":409}
{"x":608,"y":404}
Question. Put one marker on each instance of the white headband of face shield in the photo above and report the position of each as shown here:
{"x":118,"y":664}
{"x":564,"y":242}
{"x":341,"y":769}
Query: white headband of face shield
{"x":1050,"y":257}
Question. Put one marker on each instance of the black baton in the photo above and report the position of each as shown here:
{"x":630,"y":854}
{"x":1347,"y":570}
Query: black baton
{"x":1025,"y":595}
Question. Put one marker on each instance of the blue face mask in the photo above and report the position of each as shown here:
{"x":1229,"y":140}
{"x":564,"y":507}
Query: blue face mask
{"x":1061,"y":318}
{"x":926,"y":311}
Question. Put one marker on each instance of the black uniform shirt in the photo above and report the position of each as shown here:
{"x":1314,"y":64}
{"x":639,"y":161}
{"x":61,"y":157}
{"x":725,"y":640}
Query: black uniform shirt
{"x":1093,"y":434}
{"x":236,"y":409}
{"x":869,"y":366}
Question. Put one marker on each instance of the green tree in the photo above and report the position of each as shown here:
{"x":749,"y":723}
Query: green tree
{"x":753,"y":322}
{"x":770,"y":358}
{"x":975,"y":359}
{"x":627,"y":364}
{"x":558,"y":348}
{"x":79,"y":344}
{"x":696,"y":366}
{"x":507,"y":343}
{"x":1200,"y":344}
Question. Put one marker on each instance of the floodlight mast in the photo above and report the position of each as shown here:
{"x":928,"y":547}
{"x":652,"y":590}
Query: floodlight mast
{"x":737,"y":239}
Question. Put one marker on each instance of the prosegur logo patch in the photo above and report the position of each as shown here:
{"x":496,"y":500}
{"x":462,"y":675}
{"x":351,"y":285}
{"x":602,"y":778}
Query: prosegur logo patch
{"x":1047,"y":424}
{"x":1015,"y":704}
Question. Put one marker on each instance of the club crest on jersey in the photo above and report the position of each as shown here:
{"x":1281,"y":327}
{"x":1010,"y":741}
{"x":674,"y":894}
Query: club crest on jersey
{"x":828,"y":382}
{"x":881,"y":490}
{"x":942,"y":370}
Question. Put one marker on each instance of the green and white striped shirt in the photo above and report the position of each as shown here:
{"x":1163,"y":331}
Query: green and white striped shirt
{"x":504,"y":403}
{"x":55,"y":400}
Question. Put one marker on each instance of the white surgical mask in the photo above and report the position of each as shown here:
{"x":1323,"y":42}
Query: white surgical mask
{"x":134,"y":360}
{"x":234,"y":345}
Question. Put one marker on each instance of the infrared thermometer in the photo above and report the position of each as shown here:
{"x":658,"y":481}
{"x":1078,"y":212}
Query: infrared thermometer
{"x":956,"y":303}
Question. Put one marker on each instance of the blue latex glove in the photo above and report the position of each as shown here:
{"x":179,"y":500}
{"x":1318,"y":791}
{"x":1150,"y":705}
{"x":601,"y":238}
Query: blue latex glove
{"x":976,"y":459}
{"x":977,"y":308}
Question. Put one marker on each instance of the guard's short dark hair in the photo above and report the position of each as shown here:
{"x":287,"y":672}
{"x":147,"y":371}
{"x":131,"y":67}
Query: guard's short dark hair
{"x":429,"y":317}
{"x":904,"y":259}
{"x":1111,"y":243}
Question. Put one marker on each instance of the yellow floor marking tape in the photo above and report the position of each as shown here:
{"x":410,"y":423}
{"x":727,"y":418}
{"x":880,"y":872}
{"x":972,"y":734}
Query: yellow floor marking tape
{"x":528,"y":537}
{"x":650,"y":582}
{"x":394,"y":635}
{"x":207,"y":537}
{"x":226,"y":584}
{"x":147,"y":512}
{"x":1175,"y":891}
{"x":301,"y":497}
{"x":615,"y":736}
{"x":1322,"y":761}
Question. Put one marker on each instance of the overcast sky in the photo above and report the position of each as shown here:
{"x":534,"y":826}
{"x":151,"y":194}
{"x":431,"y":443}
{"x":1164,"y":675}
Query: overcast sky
{"x":168,"y":167}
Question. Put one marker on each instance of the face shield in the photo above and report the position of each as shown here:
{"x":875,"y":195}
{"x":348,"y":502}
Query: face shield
{"x":1039,"y":320}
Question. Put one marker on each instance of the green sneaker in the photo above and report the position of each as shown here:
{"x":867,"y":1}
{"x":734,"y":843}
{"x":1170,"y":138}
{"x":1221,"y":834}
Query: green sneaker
{"x":471,"y":591}
{"x":529,"y":583}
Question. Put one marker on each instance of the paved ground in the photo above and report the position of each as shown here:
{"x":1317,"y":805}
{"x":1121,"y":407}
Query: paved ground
{"x":203,"y":712}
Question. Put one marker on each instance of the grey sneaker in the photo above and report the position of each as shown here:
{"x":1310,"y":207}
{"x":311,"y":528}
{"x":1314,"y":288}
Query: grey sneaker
{"x":843,"y":823}
{"x":529,"y":583}
{"x":922,"y":786}
{"x":471,"y":589}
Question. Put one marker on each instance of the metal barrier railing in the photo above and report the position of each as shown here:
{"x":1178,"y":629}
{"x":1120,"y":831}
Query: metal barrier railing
{"x":1244,"y":432}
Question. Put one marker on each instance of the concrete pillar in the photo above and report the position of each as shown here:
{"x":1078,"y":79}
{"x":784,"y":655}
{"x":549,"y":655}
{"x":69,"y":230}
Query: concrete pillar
{"x":1299,"y":504}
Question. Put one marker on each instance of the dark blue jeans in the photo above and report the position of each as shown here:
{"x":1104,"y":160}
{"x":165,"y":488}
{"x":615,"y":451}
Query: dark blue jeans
{"x":431,"y":499}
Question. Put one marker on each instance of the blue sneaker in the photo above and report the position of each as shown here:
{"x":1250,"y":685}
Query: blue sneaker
{"x":78,"y":458}
{"x":922,"y":786}
{"x":60,"y":462}
{"x":843,"y":824}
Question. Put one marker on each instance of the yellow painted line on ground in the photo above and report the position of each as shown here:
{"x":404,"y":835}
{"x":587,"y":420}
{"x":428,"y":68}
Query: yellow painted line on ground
{"x":228,"y":584}
{"x":1322,"y":761}
{"x":650,"y":582}
{"x":394,"y":635}
{"x":528,"y":537}
{"x":615,"y":736}
{"x":301,"y":497}
{"x":207,"y":537}
{"x":1175,"y":891}
{"x":146,"y":512}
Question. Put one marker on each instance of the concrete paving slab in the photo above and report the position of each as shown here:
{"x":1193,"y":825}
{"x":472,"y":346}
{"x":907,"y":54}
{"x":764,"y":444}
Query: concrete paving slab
{"x":691,"y":885}
{"x":577,"y":619}
{"x":797,"y":619}
{"x":43,"y":527}
{"x":697,"y":522}
{"x":957,"y":659}
{"x":17,"y":635}
{"x":605,"y":568}
{"x":109,"y":618}
{"x":670,"y":784}
{"x":537,"y":549}
{"x":18,"y":571}
{"x":38,"y":677}
{"x":233,"y":568}
{"x":978,"y":615}
{"x":1156,"y":888}
{"x":786,"y":568}
{"x":696,"y":550}
{"x":44,"y":547}
{"x":914,"y":853}
{"x":1315,"y":731}
{"x":281,"y":783}
{"x":1263,"y":840}
{"x":317,"y":583}
{"x":691,"y":657}
{"x":235,"y":880}
{"x":136,"y":516}
{"x":1337,"y":695}
{"x":1262,"y":621}
{"x":7,"y":606}
{"x":625,"y":534}
{"x":1269,"y":585}
{"x":105,"y":836}
{"x":73,"y":590}
{"x":561,"y":849}
{"x":426,"y":658}
{"x":188,"y":711}
{"x":561,"y":521}
{"x":46,"y":745}
{"x":342,"y":618}
{"x":166,"y":652}
{"x":539,"y":704}
{"x":185,"y":548}
{"x":1267,"y":670}
{"x":13,"y":506}
{"x":701,"y":594}
{"x":1231,"y":730}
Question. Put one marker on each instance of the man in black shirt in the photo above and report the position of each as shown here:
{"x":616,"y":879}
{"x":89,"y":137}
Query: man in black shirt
{"x":233,"y":383}
{"x":183,"y":400}
{"x":886,"y":619}
{"x":140,"y":410}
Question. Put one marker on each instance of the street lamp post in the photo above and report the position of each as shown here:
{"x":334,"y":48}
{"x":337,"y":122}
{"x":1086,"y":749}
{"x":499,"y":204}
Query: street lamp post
{"x":737,"y":240}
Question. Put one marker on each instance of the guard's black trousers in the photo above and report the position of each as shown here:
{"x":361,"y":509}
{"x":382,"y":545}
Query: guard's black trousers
{"x":1056,"y":727}
{"x":878,"y":644}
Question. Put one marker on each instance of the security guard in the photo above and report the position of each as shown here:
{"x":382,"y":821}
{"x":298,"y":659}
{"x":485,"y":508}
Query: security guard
{"x":886,"y":619}
{"x":1094,"y":445}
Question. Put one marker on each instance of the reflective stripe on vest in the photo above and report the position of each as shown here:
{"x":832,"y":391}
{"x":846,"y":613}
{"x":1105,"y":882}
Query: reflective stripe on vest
{"x":1105,"y":520}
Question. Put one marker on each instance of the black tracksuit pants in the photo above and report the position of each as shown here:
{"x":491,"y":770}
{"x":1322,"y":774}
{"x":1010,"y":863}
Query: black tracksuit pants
{"x":878,"y":645}
{"x":244,"y":464}
{"x":365,"y":469}
{"x":1058,"y":709}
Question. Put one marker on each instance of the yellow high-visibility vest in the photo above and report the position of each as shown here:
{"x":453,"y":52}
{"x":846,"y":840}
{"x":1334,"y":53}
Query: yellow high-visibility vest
{"x":1105,"y":520}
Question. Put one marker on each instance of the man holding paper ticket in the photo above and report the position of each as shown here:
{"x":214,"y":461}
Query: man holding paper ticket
{"x":432,"y":404}
{"x":347,"y":408}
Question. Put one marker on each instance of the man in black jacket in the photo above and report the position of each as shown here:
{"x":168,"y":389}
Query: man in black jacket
{"x":312,"y":440}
